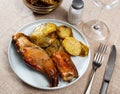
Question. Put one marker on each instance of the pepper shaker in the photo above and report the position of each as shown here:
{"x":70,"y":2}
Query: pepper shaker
{"x":75,"y":12}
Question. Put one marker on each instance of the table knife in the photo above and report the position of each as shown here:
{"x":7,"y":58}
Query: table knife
{"x":109,"y":70}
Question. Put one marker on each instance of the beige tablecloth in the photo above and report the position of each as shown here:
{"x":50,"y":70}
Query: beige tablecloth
{"x":14,"y":14}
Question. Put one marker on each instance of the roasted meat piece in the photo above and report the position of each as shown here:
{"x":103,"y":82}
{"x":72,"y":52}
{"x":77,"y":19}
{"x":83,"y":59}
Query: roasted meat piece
{"x":65,"y":66}
{"x":36,"y":57}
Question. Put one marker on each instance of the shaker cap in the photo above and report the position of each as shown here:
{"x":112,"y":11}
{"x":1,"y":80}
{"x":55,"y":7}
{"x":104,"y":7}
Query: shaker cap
{"x":77,"y":4}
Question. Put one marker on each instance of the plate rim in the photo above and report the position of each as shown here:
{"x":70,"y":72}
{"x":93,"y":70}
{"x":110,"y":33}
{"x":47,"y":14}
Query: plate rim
{"x":54,"y":20}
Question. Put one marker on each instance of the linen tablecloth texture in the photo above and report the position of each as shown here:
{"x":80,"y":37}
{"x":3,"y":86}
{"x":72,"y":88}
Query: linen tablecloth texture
{"x":14,"y":14}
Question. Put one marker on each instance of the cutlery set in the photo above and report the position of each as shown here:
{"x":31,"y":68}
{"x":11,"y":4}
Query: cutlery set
{"x":97,"y":61}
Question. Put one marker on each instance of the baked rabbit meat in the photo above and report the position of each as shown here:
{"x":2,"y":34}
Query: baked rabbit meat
{"x":65,"y":66}
{"x":36,"y":57}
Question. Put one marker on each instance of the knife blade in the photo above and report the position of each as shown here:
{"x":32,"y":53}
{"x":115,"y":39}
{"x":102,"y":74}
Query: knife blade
{"x":108,"y":70}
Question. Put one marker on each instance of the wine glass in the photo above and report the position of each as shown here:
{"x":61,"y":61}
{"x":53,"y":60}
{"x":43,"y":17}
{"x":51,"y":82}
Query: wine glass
{"x":96,"y":29}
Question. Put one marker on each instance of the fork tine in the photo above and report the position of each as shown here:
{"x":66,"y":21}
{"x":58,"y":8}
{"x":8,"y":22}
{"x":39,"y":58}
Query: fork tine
{"x":105,"y":48}
{"x":100,"y":52}
{"x":103,"y":53}
{"x":100,"y":47}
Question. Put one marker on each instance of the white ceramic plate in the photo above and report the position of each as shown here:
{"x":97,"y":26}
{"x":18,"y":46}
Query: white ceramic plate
{"x":35,"y":78}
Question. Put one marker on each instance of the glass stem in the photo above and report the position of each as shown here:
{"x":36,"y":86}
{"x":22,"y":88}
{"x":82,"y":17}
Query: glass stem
{"x":97,"y":24}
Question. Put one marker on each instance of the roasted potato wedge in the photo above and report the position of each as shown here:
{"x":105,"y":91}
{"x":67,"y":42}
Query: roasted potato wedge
{"x":55,"y":46}
{"x":53,"y":38}
{"x":48,"y":28}
{"x":64,"y":31}
{"x":44,"y":34}
{"x":84,"y":50}
{"x":45,"y":29}
{"x":72,"y":46}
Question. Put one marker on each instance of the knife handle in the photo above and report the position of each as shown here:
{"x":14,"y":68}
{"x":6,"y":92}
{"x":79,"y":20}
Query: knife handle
{"x":104,"y":87}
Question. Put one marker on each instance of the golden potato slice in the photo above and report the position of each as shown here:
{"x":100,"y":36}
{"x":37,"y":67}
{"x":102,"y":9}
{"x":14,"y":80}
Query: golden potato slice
{"x":53,"y":47}
{"x":72,"y":46}
{"x":48,"y":28}
{"x":64,"y":31}
{"x":84,"y":50}
{"x":45,"y":29}
{"x":44,"y":34}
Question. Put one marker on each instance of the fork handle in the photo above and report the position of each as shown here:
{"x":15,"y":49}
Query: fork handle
{"x":88,"y":90}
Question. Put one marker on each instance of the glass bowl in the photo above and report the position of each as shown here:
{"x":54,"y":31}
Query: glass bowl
{"x":42,"y":9}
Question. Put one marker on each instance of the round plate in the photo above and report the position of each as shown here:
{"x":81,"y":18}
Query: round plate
{"x":34,"y":78}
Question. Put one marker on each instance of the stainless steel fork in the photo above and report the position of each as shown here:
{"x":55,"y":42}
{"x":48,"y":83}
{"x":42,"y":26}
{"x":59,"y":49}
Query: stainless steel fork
{"x":97,"y":61}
